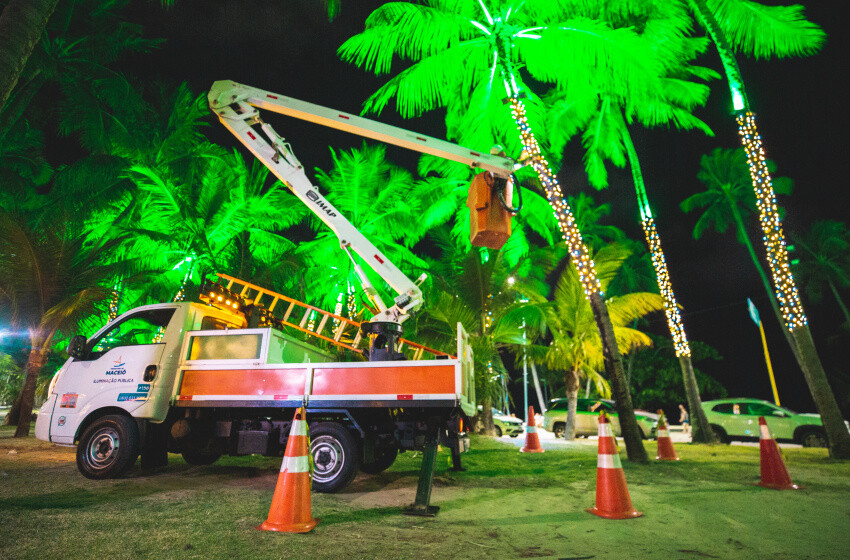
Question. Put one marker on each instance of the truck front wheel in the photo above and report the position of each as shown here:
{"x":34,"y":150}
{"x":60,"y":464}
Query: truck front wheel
{"x":108,"y":447}
{"x":335,"y":456}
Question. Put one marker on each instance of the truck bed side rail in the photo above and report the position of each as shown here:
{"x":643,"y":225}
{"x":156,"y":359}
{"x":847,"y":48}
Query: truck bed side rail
{"x":280,"y":311}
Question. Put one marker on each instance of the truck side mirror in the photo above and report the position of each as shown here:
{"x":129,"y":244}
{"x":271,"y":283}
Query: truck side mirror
{"x":77,"y":347}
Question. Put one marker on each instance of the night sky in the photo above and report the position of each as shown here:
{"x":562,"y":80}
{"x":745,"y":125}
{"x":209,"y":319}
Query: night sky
{"x":289,"y":47}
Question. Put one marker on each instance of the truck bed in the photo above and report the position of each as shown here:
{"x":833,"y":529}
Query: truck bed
{"x":426,"y":383}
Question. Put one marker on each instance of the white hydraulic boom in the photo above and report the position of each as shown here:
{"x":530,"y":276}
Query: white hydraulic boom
{"x":237,"y":105}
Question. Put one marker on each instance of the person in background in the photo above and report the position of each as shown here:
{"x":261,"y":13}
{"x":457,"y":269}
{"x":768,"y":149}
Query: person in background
{"x":683,"y":419}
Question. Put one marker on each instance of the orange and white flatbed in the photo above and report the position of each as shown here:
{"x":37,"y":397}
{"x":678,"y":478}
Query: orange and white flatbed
{"x":255,"y":378}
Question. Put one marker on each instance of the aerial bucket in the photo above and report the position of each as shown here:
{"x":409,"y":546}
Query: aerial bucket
{"x":489,"y":220}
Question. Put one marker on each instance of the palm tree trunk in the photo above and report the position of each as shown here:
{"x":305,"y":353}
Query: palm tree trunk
{"x":727,"y":56}
{"x":14,"y":411}
{"x":794,"y":317}
{"x":833,"y":422}
{"x":37,"y":357}
{"x":771,"y":296}
{"x":632,"y":435}
{"x":486,"y":416}
{"x":580,"y":257}
{"x":21,"y":25}
{"x":839,"y":300}
{"x":537,"y":389}
{"x":701,"y":432}
{"x":571,"y":382}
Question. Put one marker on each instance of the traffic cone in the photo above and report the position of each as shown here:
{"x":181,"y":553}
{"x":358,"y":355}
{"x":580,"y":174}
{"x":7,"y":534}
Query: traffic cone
{"x":773,"y":472}
{"x":290,"y":511}
{"x":665,"y":444}
{"x":532,"y":440}
{"x":612,"y":494}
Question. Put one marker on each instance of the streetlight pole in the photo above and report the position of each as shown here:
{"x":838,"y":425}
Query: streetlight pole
{"x":524,"y":374}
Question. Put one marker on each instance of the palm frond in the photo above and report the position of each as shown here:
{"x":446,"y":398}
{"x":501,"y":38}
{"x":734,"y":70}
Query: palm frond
{"x":767,"y":31}
{"x":584,"y":51}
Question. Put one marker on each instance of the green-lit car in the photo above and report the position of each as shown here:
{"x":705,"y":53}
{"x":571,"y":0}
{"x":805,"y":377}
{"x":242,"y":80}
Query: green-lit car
{"x":507,"y":425}
{"x":587,"y":414}
{"x":738,"y":419}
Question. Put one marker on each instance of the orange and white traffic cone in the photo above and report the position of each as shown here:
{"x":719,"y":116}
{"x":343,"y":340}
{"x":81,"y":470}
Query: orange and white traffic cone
{"x":532,"y":440}
{"x":773,"y":472}
{"x":612,"y":494}
{"x":291,"y":511}
{"x":665,"y":444}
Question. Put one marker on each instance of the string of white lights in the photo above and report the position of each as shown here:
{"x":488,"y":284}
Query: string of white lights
{"x":671,"y":308}
{"x":563,"y":214}
{"x":774,"y":238}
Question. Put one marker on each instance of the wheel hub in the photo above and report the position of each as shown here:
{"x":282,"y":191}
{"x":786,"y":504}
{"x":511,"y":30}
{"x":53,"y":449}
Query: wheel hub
{"x":328,"y":458}
{"x":103,"y":448}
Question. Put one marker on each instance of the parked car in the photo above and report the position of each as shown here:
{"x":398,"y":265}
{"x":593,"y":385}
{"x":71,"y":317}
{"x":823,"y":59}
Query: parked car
{"x":738,"y":419}
{"x":507,"y":425}
{"x":587,"y":414}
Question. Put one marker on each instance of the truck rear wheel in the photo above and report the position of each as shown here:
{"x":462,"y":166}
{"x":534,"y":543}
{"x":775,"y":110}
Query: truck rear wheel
{"x":335,"y":456}
{"x":108,"y":447}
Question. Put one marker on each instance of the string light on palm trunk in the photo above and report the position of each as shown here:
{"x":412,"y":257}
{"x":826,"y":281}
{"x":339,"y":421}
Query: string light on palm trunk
{"x":671,"y":308}
{"x":774,"y":238}
{"x":113,"y":302}
{"x":563,"y":214}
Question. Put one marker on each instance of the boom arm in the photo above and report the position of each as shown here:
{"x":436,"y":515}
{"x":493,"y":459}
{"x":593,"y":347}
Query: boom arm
{"x":237,"y":107}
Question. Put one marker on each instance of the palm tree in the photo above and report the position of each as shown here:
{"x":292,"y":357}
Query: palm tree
{"x":471,"y":46}
{"x":727,"y":199}
{"x":21,"y":25}
{"x":377,"y":197}
{"x":50,"y":280}
{"x":471,"y":287}
{"x":781,"y":31}
{"x":576,"y":347}
{"x":606,"y":136}
{"x":824,"y":261}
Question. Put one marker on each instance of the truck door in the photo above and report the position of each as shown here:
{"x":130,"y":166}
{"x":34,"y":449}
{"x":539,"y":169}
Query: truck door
{"x":112,"y":371}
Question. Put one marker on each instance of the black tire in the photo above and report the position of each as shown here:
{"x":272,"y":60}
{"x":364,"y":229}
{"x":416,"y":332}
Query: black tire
{"x":558,"y":429}
{"x":514,"y":435}
{"x":720,"y":434}
{"x":335,"y":456}
{"x":813,"y":438}
{"x":384,"y":459}
{"x":108,"y":447}
{"x":498,"y":431}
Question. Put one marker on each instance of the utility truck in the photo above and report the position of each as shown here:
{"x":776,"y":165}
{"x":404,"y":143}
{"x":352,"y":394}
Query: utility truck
{"x":224,"y":375}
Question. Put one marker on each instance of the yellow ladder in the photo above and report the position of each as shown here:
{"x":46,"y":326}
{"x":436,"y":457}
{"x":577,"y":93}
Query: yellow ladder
{"x":344,"y":331}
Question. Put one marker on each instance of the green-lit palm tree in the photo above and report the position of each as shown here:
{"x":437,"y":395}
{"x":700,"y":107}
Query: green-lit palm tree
{"x":576,"y":348}
{"x":471,"y":287}
{"x":476,"y":48}
{"x":212,"y":223}
{"x":50,"y":281}
{"x":376,"y":196}
{"x":764,"y":32}
{"x":824,"y":261}
{"x":605,"y":136}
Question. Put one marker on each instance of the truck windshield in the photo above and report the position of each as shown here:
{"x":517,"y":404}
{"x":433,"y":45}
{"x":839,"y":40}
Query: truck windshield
{"x":144,"y":327}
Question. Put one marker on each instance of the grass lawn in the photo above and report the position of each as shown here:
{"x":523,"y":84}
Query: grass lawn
{"x":506,"y":505}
